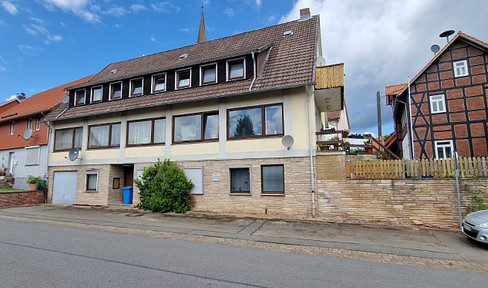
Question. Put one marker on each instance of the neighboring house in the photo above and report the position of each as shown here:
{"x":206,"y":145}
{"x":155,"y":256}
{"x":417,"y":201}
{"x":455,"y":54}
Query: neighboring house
{"x":339,"y":120}
{"x":11,"y":103}
{"x":23,"y":157}
{"x":219,"y":108}
{"x":447,"y":103}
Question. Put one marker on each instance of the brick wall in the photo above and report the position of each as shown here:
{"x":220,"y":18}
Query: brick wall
{"x":21,"y":198}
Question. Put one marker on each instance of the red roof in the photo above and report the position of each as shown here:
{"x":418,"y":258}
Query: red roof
{"x":37,"y":103}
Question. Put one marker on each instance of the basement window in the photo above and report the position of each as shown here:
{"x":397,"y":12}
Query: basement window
{"x":240,"y":180}
{"x":92,"y":181}
{"x":272,"y":179}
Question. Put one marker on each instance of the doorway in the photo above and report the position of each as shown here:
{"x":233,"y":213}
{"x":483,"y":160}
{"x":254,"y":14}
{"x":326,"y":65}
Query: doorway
{"x":129,"y":176}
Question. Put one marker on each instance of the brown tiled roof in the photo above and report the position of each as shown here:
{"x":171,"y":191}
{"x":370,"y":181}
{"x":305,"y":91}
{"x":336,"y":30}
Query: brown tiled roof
{"x":37,"y":103}
{"x":395,"y":89}
{"x":290,"y":63}
{"x":332,"y":115}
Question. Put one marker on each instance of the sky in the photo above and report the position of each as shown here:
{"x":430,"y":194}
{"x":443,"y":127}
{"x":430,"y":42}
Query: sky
{"x":47,"y":43}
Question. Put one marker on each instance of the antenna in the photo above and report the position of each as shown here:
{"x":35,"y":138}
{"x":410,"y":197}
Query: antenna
{"x":287,"y":141}
{"x":73,"y":154}
{"x":446,"y":34}
{"x":435,"y":48}
{"x":27,"y":134}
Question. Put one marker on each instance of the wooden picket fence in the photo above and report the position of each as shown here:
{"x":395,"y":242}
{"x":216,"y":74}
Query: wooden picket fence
{"x":423,"y":168}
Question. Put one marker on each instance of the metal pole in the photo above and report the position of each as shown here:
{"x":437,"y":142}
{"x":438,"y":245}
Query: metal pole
{"x":457,"y":189}
{"x":378,"y":104}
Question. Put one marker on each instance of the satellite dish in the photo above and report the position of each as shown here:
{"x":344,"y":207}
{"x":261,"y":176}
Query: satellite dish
{"x":435,"y":48}
{"x":446,"y":34}
{"x":287,"y":141}
{"x":73,"y":154}
{"x":27,"y":134}
{"x":65,"y":99}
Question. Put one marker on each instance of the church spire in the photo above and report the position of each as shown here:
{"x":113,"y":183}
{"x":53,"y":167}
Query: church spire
{"x":201,"y":31}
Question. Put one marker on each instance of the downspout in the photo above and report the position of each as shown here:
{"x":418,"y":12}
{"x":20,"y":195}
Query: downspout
{"x":311,"y":140}
{"x":255,"y":70}
{"x":410,"y":120}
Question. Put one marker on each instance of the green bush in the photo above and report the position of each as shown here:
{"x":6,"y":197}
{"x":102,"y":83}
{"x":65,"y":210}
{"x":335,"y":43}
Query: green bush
{"x":34,"y":180}
{"x":164,"y":188}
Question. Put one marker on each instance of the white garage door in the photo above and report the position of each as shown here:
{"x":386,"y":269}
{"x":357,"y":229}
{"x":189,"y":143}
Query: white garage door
{"x":64,"y":187}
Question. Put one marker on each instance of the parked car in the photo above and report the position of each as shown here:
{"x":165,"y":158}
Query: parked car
{"x":475,"y":226}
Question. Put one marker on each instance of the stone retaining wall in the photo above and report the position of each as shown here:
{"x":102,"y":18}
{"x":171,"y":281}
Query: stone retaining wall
{"x":12,"y":199}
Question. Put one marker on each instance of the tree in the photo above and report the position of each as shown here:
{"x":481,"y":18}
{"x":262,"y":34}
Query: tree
{"x":164,"y":188}
{"x":244,"y":127}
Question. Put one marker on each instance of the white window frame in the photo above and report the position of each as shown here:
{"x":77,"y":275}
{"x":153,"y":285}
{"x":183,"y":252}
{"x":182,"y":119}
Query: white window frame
{"x":227,"y":71}
{"x":38,"y":155}
{"x":110,"y":90}
{"x":177,"y":82}
{"x":198,"y":173}
{"x":91,"y":96}
{"x":230,"y":180}
{"x":84,"y":97}
{"x":29,"y":123}
{"x":216,"y":73}
{"x":12,"y":128}
{"x":434,"y":106}
{"x":462,"y":65}
{"x":153,"y":82}
{"x":91,"y":172}
{"x":443,"y":144}
{"x":38,"y":124}
{"x":131,"y":94}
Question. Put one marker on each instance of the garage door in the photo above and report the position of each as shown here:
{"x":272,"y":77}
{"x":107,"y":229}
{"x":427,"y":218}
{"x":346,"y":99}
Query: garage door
{"x":64,"y":187}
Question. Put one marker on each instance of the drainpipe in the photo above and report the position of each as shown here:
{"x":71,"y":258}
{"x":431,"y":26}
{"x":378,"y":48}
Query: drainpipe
{"x":255,"y":70}
{"x":410,"y":120}
{"x":311,"y":149}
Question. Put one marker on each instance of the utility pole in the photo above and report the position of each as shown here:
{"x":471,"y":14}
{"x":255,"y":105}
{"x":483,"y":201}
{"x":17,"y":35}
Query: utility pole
{"x":380,"y":133}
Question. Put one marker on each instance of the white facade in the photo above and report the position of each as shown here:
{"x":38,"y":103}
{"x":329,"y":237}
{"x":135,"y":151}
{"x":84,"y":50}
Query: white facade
{"x":22,"y":162}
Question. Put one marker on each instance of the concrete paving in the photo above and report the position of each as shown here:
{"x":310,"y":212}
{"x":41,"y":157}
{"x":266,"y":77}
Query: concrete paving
{"x":451,"y":250}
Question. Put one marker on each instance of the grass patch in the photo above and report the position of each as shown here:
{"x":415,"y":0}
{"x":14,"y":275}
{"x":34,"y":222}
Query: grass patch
{"x":7,"y":190}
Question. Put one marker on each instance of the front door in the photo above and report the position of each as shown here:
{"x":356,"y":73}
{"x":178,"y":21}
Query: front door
{"x":64,"y":187}
{"x":128,"y":176}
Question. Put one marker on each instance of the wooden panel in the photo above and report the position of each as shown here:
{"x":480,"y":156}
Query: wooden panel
{"x":329,"y":76}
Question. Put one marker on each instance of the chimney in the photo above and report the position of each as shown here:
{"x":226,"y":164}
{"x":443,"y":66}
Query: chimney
{"x":304,"y":14}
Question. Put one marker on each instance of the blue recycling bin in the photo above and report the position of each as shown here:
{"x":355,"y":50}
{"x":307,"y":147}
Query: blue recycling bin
{"x":128,"y":191}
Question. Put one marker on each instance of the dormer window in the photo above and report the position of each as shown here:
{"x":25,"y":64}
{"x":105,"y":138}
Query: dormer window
{"x":116,"y":90}
{"x":183,"y":78}
{"x":236,"y":69}
{"x":159,"y":83}
{"x":208,"y":74}
{"x":96,"y":94}
{"x":79,"y":97}
{"x":136,"y":87}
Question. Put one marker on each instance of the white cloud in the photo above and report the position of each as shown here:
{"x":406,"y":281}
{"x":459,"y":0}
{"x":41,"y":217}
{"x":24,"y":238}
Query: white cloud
{"x":165,"y":7}
{"x":137,"y":7}
{"x":186,"y":30}
{"x":2,"y":68}
{"x":154,"y":39}
{"x":81,"y":8}
{"x":9,"y":7}
{"x":27,"y":49}
{"x":39,"y":29}
{"x":258,"y":2}
{"x":117,"y":11}
{"x":229,"y":12}
{"x":383,"y":42}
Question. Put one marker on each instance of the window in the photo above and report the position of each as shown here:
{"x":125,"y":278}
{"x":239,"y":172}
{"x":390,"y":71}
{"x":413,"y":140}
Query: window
{"x":190,"y":128}
{"x":183,"y":78}
{"x":236,"y":69}
{"x":116,"y":90}
{"x":79,"y":97}
{"x":208,"y":74}
{"x":91,"y":180}
{"x":12,"y":127}
{"x":66,"y":139}
{"x":196,"y":177}
{"x":38,"y":124}
{"x":136,"y":87}
{"x":29,"y":123}
{"x":272,"y":179}
{"x":255,"y":122}
{"x":104,"y":136}
{"x":443,"y":149}
{"x":159,"y":83}
{"x":32,"y":155}
{"x":437,"y":104}
{"x":142,"y":132}
{"x":240,"y":180}
{"x":96,"y":94}
{"x":460,"y":68}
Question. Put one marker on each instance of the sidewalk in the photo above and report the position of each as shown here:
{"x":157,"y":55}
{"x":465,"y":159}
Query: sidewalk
{"x":426,"y":247}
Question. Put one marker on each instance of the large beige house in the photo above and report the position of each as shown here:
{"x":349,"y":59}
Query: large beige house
{"x":239,"y":115}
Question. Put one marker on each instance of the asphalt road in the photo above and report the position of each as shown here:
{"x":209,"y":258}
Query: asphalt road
{"x":34,"y":255}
